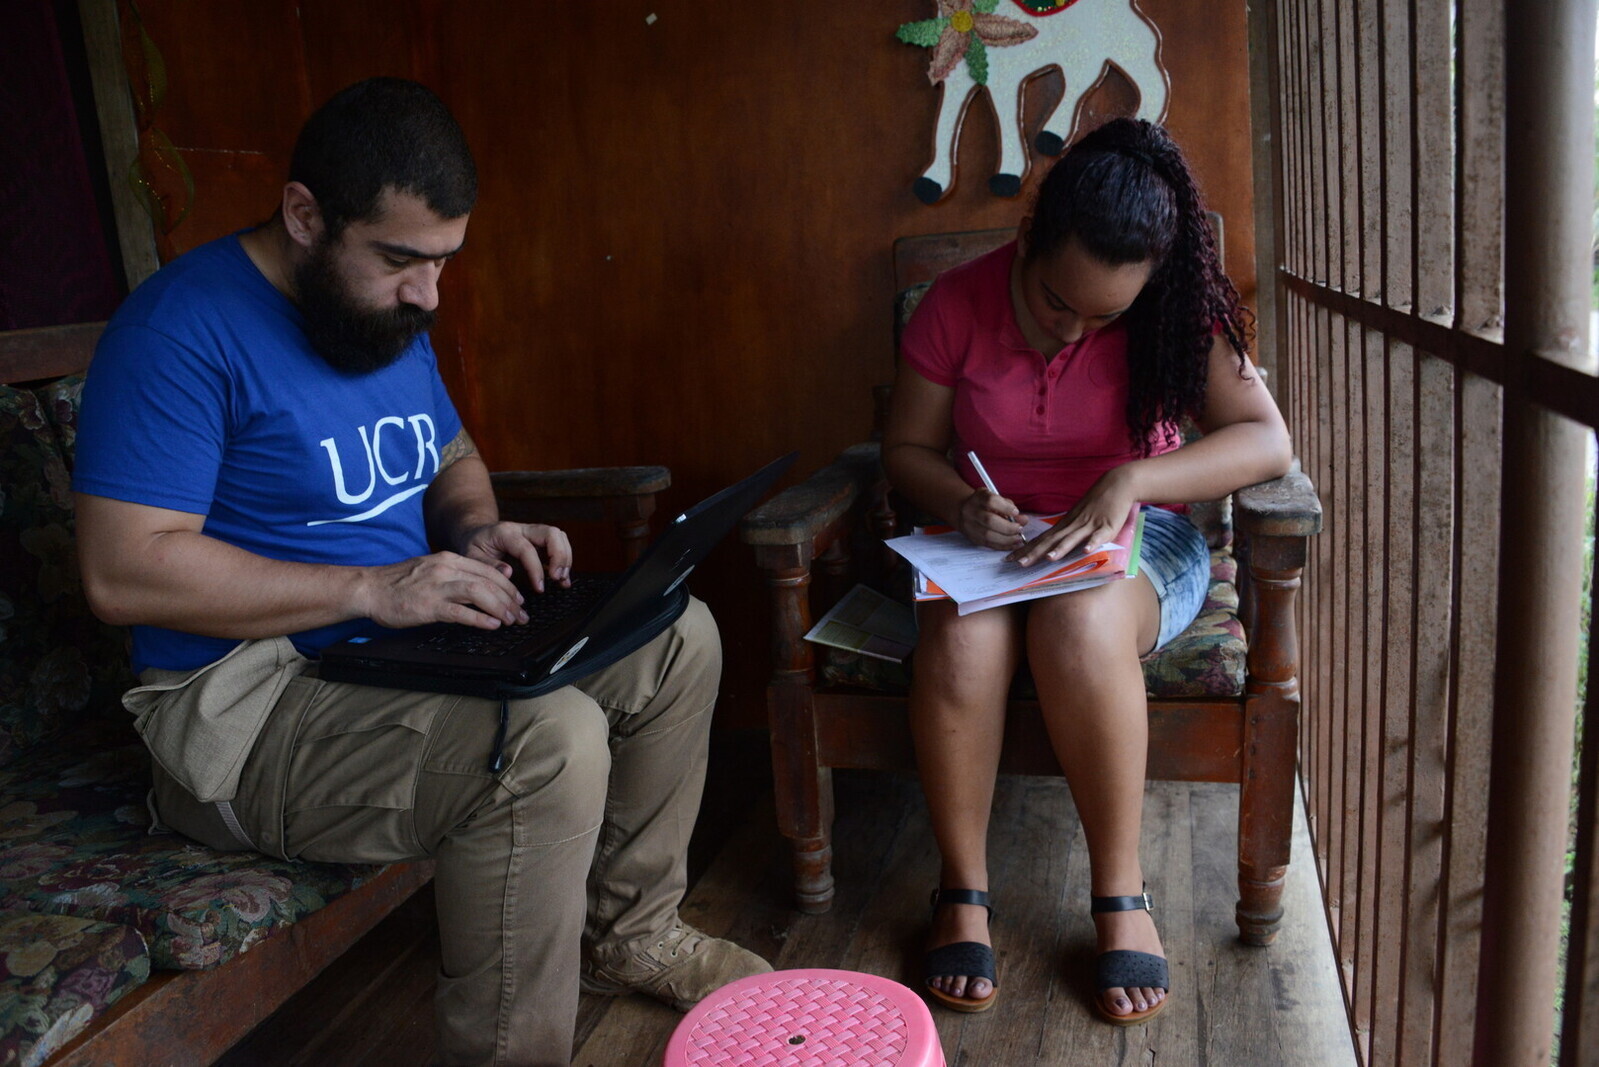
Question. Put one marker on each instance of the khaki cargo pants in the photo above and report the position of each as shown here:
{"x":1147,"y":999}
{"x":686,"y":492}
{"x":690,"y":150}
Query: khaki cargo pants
{"x":578,"y":845}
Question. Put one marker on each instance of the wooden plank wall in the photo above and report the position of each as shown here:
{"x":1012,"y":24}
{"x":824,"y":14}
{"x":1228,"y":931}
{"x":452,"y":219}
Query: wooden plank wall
{"x":1390,"y":122}
{"x":681,"y":254}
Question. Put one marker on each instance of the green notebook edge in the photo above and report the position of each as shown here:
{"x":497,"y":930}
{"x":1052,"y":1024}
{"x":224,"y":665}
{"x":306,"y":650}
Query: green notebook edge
{"x":1138,"y":545}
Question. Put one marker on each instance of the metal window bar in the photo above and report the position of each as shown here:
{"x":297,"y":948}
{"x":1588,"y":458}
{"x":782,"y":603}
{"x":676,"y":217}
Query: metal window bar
{"x":1428,"y":305}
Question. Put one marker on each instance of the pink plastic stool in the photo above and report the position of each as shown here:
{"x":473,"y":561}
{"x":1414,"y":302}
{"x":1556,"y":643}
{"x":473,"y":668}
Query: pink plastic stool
{"x":807,"y":1018}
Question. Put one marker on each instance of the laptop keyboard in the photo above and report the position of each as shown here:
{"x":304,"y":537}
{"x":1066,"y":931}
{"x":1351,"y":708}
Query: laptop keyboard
{"x":544,"y":610}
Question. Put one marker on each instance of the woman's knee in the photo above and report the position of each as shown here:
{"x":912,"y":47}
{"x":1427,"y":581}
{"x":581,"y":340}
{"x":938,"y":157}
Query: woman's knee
{"x":977,"y":637}
{"x":1095,"y":622}
{"x":966,"y":657}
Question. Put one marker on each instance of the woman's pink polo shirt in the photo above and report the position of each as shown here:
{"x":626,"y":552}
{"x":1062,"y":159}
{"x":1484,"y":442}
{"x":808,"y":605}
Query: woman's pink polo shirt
{"x":1045,"y":430}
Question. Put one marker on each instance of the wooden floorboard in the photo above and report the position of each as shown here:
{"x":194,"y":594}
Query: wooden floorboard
{"x":1231,"y":1004}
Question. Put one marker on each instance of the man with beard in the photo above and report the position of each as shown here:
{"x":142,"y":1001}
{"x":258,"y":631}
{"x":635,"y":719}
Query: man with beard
{"x":266,"y":459}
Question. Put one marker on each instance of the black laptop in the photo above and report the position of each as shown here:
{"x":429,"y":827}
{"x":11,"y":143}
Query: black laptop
{"x":570,"y":632}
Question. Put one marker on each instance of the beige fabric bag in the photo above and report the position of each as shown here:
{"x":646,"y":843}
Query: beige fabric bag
{"x":200,"y":725}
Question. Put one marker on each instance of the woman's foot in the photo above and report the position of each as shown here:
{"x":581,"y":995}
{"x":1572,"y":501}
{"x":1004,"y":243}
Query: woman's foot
{"x":960,"y":959}
{"x":1129,"y":931}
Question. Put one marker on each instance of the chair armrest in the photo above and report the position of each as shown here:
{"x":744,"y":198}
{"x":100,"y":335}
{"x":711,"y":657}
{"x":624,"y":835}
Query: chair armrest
{"x":581,"y":482}
{"x":623,"y":497}
{"x":1284,"y":507}
{"x":1277,"y":519}
{"x":809,"y":512}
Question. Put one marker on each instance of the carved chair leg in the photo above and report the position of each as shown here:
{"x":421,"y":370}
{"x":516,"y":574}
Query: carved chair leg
{"x":1271,"y":743}
{"x":813,"y":873}
{"x":802,"y":787}
{"x":1260,"y":894}
{"x":1266,"y":809}
{"x":1266,"y":813}
{"x":804,"y":796}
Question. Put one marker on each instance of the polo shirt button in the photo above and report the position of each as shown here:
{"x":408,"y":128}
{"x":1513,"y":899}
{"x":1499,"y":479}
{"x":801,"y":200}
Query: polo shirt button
{"x":1040,"y":410}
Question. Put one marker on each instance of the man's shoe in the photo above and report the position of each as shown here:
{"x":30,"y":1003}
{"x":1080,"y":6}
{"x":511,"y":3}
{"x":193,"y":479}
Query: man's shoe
{"x":681,"y":969}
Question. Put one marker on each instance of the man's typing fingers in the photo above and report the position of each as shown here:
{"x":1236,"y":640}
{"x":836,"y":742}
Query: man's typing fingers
{"x":557,"y":549}
{"x":483,"y":590}
{"x":442,"y":587}
{"x":543,"y":552}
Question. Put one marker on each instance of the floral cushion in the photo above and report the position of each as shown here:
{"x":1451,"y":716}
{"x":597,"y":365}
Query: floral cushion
{"x":1206,"y":660}
{"x":75,"y":840}
{"x":56,"y":660}
{"x":1209,"y":658}
{"x":56,"y":973}
{"x":60,"y":401}
{"x":104,"y":648}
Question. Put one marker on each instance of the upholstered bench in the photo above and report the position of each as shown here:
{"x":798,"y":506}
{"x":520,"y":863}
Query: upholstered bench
{"x":90,"y":898}
{"x":58,"y":972}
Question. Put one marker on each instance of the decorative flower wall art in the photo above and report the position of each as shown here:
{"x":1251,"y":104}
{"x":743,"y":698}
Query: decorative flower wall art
{"x":1001,"y":45}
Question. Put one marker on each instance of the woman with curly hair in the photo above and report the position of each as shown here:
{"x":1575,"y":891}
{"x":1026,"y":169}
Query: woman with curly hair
{"x":1065,"y":361}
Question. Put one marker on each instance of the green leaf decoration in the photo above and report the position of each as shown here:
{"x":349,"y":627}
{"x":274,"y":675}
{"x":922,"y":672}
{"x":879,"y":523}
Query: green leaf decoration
{"x":977,"y":60}
{"x":985,"y":7}
{"x":924,"y":34}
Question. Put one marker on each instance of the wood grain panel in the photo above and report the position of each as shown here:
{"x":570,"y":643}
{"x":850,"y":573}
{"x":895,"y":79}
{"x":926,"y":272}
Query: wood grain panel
{"x":235,"y":74}
{"x":241,"y":189}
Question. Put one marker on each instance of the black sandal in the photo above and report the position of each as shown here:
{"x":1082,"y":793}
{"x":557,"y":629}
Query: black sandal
{"x":971,"y":958}
{"x":1125,"y":969}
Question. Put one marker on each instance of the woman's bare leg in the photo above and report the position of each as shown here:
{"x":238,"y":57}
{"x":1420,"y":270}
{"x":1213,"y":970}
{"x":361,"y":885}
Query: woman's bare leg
{"x":963,"y":670}
{"x":1083,"y":648}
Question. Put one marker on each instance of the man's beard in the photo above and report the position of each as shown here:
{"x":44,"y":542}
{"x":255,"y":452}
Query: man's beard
{"x":350,"y":336}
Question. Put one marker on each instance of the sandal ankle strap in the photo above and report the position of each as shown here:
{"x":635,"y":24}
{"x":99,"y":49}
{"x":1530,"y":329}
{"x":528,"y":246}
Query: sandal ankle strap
{"x":962,"y":896}
{"x":1142,"y":901}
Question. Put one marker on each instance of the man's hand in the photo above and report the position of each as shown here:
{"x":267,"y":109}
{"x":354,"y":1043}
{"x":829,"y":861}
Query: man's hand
{"x":473,"y":587}
{"x":543,"y":551}
{"x":442,"y":587}
{"x":155,"y":567}
{"x":461,"y":513}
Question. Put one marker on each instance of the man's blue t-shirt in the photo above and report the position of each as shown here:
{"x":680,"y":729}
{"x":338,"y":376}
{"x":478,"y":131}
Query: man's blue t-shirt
{"x":206,"y":397}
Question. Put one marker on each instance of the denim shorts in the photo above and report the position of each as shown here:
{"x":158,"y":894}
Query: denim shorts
{"x":1175,"y":558}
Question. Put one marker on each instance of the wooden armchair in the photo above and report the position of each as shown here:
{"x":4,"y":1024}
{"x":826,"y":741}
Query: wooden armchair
{"x":1233,"y":718}
{"x":621,"y":497}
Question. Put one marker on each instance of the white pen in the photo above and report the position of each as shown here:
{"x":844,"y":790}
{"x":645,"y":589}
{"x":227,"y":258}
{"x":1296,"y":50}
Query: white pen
{"x":988,"y":483}
{"x":977,"y":465}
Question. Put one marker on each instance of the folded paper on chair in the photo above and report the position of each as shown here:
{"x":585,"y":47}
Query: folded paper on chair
{"x":870,"y":623}
{"x":949,"y":567}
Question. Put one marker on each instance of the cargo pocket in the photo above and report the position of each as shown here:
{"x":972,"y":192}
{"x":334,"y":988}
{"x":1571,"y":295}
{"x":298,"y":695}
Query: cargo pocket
{"x":353,"y":772}
{"x":200,"y":725}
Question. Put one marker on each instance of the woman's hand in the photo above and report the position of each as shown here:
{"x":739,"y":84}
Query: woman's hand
{"x":990,"y":520}
{"x":1097,"y":518}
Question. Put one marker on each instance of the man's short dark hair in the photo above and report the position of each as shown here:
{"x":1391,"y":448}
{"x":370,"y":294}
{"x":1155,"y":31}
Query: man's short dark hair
{"x":379,"y":134}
